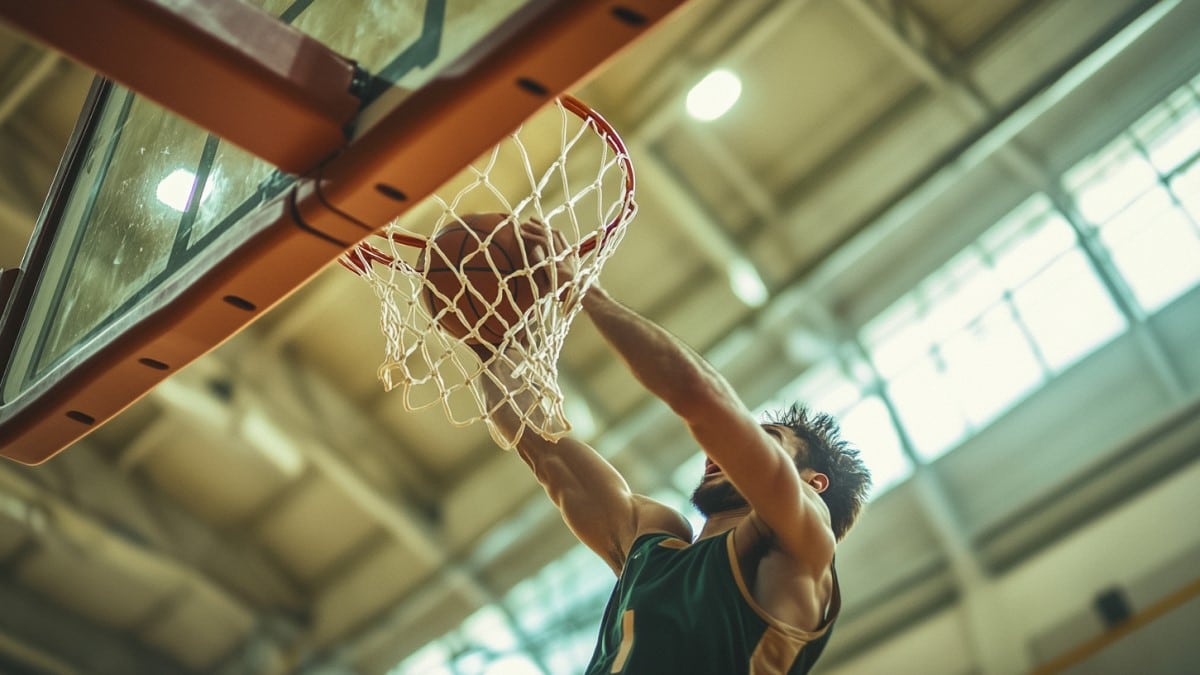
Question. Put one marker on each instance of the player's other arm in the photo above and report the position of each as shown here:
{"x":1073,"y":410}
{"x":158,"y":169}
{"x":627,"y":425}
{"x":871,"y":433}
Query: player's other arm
{"x":762,"y":471}
{"x":594,"y":499}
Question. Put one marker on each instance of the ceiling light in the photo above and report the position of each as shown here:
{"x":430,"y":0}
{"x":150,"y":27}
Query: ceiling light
{"x":746,"y":282}
{"x":714,"y":95}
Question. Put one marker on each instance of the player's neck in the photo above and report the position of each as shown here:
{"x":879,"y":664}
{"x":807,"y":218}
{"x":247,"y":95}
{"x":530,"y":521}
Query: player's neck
{"x":725,"y":520}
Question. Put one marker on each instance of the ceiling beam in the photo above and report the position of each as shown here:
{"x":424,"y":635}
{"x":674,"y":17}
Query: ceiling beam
{"x":16,"y":225}
{"x":138,"y":515}
{"x":18,"y":207}
{"x":735,"y":172}
{"x":27,"y":82}
{"x":65,"y":525}
{"x":32,"y":625}
{"x":229,"y":559}
{"x":13,"y":649}
{"x":701,"y":227}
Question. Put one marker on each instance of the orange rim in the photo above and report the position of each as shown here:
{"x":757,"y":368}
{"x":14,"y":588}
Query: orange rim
{"x":363,"y":255}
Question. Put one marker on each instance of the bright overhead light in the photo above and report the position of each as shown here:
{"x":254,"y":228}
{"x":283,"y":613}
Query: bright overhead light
{"x":714,"y":95}
{"x":746,"y":283}
{"x":175,"y":189}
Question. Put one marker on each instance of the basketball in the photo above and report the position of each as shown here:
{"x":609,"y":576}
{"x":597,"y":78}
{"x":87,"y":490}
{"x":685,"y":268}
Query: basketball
{"x":475,"y":274}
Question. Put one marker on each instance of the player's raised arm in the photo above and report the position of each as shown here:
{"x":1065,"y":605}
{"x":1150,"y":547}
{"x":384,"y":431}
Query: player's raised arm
{"x":756,"y":463}
{"x":594,"y":499}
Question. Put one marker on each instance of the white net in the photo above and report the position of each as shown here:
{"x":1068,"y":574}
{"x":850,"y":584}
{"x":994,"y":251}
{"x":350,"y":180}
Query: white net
{"x":475,"y":291}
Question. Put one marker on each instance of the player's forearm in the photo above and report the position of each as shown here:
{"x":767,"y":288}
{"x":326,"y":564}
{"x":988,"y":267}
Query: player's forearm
{"x":507,"y":402}
{"x":666,"y":366}
{"x":595,"y":501}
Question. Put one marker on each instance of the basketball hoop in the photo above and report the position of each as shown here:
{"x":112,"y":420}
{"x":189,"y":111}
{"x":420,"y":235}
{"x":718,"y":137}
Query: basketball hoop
{"x":581,"y":186}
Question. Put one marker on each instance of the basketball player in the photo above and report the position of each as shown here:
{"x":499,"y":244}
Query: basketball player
{"x":756,"y":591}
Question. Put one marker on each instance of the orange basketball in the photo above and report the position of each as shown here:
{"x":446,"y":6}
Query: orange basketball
{"x":478,"y":291}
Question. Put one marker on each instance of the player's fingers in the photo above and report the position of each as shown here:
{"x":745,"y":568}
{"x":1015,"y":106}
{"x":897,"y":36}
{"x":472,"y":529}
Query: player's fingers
{"x":532,"y":232}
{"x":535,"y":242}
{"x":560,"y":242}
{"x":552,"y":242}
{"x":535,"y":224}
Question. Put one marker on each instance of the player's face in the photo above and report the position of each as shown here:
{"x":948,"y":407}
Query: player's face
{"x":716,"y":493}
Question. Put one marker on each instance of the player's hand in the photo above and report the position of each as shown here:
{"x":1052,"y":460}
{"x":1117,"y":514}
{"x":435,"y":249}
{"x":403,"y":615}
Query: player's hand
{"x":483,"y":351}
{"x":556,"y":264}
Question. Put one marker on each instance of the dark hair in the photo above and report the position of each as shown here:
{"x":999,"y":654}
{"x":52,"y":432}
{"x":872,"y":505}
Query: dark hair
{"x":825,"y":452}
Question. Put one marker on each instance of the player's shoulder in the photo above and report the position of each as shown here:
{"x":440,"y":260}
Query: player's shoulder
{"x":813,"y":556}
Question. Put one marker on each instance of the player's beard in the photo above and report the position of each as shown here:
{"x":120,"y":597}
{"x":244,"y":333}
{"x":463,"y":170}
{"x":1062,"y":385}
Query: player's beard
{"x":720,"y":496}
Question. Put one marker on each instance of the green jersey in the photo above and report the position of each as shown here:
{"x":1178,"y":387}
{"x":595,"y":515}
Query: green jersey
{"x":684,"y":609}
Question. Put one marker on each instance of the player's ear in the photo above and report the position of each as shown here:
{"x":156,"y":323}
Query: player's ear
{"x":818,"y":481}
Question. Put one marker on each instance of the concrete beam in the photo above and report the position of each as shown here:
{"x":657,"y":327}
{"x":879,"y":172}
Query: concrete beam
{"x":234,"y":564}
{"x":112,"y":516}
{"x":39,"y":625}
{"x":27,"y":82}
{"x":16,"y":226}
{"x":702,"y":229}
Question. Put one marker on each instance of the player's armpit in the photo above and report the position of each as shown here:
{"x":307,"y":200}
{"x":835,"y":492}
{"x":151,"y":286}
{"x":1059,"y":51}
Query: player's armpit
{"x":593,"y":498}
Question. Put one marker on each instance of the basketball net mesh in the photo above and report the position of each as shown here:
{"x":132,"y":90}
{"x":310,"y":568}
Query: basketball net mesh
{"x":584,"y":192}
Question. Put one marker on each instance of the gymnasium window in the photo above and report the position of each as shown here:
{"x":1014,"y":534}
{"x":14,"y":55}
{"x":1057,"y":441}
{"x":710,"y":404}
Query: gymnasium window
{"x":992,"y":325}
{"x":432,"y":659}
{"x":560,"y":608}
{"x":1141,"y":194}
{"x":1024,"y":302}
{"x":552,"y":619}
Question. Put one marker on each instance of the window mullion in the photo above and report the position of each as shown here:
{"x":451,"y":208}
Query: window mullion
{"x":1098,"y":257}
{"x":878,"y":387}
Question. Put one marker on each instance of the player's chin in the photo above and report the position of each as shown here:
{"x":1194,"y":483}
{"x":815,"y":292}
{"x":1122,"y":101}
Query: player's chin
{"x":716,"y":495}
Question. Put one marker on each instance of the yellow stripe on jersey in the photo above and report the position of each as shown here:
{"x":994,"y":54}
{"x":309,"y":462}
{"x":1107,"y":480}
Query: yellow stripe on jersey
{"x":626,"y":642}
